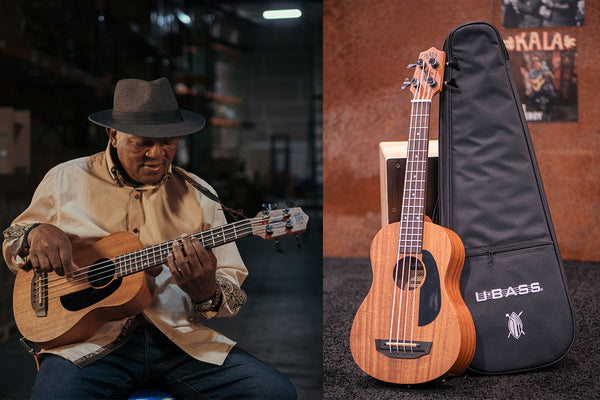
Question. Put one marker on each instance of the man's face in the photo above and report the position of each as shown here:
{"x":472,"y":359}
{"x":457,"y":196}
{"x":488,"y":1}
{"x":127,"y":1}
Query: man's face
{"x":144,"y":159}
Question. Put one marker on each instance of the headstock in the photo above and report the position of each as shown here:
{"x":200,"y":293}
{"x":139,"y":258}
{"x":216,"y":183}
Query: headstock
{"x":429,"y":72}
{"x":274,"y":224}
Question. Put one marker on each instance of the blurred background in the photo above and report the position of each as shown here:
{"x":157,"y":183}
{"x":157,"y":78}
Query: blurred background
{"x":368,"y":44}
{"x":258,"y":82}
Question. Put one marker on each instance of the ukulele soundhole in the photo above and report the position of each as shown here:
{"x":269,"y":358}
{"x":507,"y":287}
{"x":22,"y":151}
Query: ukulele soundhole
{"x":409,"y":273}
{"x":100,"y":277}
{"x":101,"y":273}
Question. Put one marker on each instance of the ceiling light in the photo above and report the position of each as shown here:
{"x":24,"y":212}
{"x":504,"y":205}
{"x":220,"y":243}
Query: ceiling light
{"x":282,"y":14}
{"x":183,"y":17}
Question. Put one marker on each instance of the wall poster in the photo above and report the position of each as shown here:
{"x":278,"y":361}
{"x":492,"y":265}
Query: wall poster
{"x":545,"y":70}
{"x":521,"y":14}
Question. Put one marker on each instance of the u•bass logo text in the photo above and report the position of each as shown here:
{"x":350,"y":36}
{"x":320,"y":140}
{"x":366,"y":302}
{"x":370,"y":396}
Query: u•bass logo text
{"x":500,"y":293}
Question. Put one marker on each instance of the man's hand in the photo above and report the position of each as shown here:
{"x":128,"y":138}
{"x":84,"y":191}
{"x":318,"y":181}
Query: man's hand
{"x":194,"y":272}
{"x":50,"y":249}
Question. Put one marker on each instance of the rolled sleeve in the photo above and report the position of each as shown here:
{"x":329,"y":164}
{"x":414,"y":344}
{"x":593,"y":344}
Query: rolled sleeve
{"x":233,"y":298}
{"x":41,"y":209}
{"x":13,"y":248}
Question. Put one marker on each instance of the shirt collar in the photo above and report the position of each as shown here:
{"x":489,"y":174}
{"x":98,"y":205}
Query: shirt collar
{"x":119,"y":178}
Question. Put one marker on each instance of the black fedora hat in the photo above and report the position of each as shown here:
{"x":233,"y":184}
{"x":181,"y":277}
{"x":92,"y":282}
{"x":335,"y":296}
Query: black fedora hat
{"x":147,"y":108}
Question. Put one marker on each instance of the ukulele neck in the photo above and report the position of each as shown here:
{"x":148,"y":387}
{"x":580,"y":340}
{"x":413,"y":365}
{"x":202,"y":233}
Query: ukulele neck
{"x":149,"y":257}
{"x":415,"y":179}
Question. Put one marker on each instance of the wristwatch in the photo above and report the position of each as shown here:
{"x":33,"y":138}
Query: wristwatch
{"x":211,"y":304}
{"x":26,"y":235}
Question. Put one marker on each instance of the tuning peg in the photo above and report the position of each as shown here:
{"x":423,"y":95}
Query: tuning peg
{"x":451,"y":82}
{"x":453,"y":63}
{"x":432,"y":82}
{"x":267,"y":209}
{"x":269,"y":206}
{"x":269,"y":229}
{"x":278,"y":246}
{"x":434,"y":63}
{"x":297,"y":240}
{"x":406,"y":83}
{"x":418,"y":64}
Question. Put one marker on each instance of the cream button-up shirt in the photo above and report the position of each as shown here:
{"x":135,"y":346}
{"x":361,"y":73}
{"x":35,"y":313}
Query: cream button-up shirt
{"x":88,"y":199}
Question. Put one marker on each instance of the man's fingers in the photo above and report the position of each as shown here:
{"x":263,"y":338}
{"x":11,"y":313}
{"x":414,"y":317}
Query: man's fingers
{"x":66,"y":261}
{"x":50,"y":249}
{"x":194,"y":272}
{"x":33,"y":260}
{"x":55,"y":260}
{"x":72,"y":272}
{"x":178,"y":252}
{"x":186,"y":241}
{"x":196,"y":246}
{"x":200,"y":262}
{"x":44,"y":263}
{"x":206,"y":257}
{"x":175,"y":272}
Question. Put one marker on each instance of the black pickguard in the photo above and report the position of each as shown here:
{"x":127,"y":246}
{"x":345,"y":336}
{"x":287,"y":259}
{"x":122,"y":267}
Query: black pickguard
{"x":103,"y":286}
{"x":430,"y":300}
{"x":87,"y":297}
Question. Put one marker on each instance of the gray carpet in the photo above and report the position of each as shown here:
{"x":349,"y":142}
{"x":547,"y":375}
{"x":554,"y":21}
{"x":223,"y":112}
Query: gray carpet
{"x":346,"y":283}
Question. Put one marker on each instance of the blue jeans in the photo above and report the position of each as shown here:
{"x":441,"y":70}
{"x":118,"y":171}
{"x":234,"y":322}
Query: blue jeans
{"x":150,"y":360}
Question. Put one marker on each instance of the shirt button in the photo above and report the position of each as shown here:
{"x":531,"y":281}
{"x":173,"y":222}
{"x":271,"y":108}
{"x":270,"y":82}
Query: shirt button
{"x":137,"y":196}
{"x":135,"y":230}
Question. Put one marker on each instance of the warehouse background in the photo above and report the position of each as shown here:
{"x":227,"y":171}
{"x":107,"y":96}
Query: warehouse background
{"x":258,"y":83}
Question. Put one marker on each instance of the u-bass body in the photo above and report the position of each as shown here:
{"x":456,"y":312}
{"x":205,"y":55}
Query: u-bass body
{"x":52,"y":312}
{"x":110,"y":283}
{"x":414,"y":327}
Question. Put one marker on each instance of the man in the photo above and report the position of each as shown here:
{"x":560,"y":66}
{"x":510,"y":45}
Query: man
{"x":133,"y":187}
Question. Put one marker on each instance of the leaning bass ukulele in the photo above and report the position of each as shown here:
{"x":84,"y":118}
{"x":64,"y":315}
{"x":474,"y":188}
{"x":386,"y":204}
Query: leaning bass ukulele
{"x":413,"y":326}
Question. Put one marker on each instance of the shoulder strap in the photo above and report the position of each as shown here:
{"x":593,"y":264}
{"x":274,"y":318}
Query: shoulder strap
{"x":236,"y":214}
{"x":195,"y":184}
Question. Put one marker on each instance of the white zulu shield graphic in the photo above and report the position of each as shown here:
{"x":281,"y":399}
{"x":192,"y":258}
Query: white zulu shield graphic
{"x":515,"y":325}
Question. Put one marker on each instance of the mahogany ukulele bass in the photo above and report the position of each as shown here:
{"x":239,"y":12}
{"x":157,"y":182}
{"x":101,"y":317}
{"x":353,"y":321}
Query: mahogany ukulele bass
{"x":51,"y":311}
{"x":413,"y":326}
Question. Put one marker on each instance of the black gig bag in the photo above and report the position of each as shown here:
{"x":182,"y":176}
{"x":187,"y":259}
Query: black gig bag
{"x":491,"y":195}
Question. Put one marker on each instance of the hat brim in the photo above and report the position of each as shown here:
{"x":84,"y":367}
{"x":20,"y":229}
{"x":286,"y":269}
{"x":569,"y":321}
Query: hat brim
{"x":192,"y":123}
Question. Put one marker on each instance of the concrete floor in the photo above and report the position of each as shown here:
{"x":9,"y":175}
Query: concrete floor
{"x":280,"y":324}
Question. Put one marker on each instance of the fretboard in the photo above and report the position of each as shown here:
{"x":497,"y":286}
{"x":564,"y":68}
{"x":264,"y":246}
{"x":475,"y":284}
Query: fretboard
{"x":415,"y":179}
{"x":149,"y":257}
